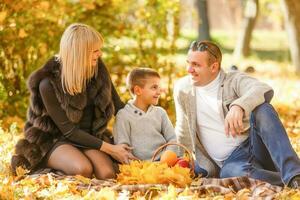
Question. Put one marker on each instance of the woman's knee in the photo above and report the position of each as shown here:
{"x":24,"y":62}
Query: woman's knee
{"x":109,"y":174}
{"x":102,"y":164}
{"x":105,"y":173}
{"x":84,"y":169}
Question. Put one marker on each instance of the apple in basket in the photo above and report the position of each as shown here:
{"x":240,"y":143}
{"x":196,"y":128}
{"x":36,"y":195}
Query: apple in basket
{"x":182,"y":163}
{"x":169,"y":157}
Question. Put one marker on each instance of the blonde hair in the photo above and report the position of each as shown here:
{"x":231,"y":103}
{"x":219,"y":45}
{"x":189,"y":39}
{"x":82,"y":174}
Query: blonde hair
{"x":75,"y":55}
{"x":138,"y":77}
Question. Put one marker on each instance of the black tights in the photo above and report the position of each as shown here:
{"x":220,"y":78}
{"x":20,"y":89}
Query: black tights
{"x":72,"y":161}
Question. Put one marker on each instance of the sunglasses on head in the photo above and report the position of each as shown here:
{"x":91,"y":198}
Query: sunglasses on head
{"x":200,"y":46}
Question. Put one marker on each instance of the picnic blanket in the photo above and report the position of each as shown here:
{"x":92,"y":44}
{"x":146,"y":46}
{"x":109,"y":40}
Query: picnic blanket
{"x":256,"y":188}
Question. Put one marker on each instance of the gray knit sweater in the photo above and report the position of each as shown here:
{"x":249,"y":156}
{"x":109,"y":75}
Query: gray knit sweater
{"x":144,"y":131}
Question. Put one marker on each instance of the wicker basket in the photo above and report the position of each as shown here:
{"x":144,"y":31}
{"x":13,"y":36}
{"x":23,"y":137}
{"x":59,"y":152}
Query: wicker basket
{"x":192,"y":162}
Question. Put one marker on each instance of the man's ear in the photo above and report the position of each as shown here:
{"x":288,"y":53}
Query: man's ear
{"x":215,"y":67}
{"x":137,"y":90}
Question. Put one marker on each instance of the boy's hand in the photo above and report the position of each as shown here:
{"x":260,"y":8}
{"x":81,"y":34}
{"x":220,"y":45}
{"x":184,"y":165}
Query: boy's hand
{"x":234,"y":121}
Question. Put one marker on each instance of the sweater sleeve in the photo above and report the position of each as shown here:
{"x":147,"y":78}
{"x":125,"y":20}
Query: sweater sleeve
{"x":167,"y":127}
{"x":59,"y":117}
{"x":251,"y":92}
{"x":182,"y":132}
{"x":168,"y":131}
{"x":121,"y":129}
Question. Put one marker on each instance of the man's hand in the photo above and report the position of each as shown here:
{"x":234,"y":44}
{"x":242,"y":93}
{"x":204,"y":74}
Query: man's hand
{"x":234,"y":121}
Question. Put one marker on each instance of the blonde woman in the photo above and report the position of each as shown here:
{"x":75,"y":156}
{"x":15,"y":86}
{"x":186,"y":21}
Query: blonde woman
{"x":72,"y":100}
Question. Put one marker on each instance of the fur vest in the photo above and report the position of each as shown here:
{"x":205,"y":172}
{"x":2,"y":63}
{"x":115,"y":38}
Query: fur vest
{"x":41,"y":132}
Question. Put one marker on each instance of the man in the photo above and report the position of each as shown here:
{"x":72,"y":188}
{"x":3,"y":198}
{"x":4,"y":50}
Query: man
{"x":226,"y":120}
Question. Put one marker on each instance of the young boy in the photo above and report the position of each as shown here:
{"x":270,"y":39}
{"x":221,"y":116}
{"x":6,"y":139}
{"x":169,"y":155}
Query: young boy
{"x":141,"y":124}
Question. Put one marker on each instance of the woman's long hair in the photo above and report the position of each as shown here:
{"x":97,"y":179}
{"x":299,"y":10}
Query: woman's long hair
{"x":75,"y":55}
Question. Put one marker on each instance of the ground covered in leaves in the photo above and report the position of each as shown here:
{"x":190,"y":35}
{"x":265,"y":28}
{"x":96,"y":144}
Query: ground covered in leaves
{"x":286,"y":101}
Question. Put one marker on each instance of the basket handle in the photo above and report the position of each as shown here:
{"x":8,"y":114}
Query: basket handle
{"x":180,"y":145}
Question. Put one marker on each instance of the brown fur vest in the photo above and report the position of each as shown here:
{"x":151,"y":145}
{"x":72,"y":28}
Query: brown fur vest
{"x":41,"y":132}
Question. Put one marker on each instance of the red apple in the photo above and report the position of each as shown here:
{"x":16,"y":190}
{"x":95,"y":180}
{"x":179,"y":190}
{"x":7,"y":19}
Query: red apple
{"x":182,"y":163}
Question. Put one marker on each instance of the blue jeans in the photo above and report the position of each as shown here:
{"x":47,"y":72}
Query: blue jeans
{"x":199,"y":171}
{"x":267,"y":154}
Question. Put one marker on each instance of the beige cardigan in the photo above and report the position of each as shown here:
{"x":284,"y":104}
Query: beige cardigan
{"x":235,"y":88}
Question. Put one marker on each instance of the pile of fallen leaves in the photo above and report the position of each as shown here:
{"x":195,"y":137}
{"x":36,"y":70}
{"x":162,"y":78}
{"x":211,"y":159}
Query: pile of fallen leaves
{"x":146,"y":172}
{"x":49,"y":187}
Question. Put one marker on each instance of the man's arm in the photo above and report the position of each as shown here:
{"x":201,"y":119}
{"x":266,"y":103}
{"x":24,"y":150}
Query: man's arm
{"x":252,"y":93}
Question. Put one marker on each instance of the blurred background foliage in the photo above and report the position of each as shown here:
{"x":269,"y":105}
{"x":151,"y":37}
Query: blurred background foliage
{"x":135,"y":33}
{"x":144,"y":33}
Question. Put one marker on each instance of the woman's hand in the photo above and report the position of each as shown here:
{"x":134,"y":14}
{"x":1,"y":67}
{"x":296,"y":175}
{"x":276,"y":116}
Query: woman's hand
{"x":120,"y":152}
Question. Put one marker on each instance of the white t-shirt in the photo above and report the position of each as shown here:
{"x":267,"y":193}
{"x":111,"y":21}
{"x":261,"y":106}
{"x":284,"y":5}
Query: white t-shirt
{"x":210,"y":124}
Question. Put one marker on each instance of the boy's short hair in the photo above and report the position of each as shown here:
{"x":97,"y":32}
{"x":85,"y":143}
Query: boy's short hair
{"x":138,"y":77}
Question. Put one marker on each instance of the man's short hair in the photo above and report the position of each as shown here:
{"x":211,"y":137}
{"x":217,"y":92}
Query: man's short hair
{"x":212,"y":49}
{"x":138,"y":77}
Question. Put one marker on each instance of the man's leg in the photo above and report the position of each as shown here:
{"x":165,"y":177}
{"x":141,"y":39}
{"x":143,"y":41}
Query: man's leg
{"x":266,"y":126}
{"x":259,"y":150}
{"x":199,"y":171}
{"x":242,"y":163}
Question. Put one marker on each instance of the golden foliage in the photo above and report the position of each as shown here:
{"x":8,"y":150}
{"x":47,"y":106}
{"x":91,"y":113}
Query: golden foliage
{"x":146,"y":172}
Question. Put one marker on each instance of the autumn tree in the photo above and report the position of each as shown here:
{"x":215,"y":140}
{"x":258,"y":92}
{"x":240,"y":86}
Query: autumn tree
{"x":291,"y":11}
{"x":135,"y":34}
{"x":242,"y":47}
{"x":203,"y":26}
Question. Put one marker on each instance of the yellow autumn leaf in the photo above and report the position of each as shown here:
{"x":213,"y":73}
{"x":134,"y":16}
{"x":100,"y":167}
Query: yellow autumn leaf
{"x":22,"y":33}
{"x":107,"y":194}
{"x":20,"y":171}
{"x":3,"y":15}
{"x":88,"y":5}
{"x":295,"y":196}
{"x":44,"y":5}
{"x":44,"y":180}
{"x":43,"y":48}
{"x":171,"y":194}
{"x":83,"y":179}
{"x":146,"y":172}
{"x":243,"y":194}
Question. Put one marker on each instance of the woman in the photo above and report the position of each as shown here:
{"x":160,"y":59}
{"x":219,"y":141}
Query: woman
{"x":72,"y":100}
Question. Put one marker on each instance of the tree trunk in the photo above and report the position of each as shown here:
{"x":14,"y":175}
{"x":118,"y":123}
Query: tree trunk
{"x":242,"y":47}
{"x":203,"y":29}
{"x":291,"y":11}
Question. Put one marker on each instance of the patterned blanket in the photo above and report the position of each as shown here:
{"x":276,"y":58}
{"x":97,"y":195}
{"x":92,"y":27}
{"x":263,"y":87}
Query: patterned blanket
{"x":256,"y":189}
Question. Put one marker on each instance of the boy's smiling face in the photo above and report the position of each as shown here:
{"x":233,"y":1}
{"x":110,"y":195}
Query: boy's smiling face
{"x":150,"y":92}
